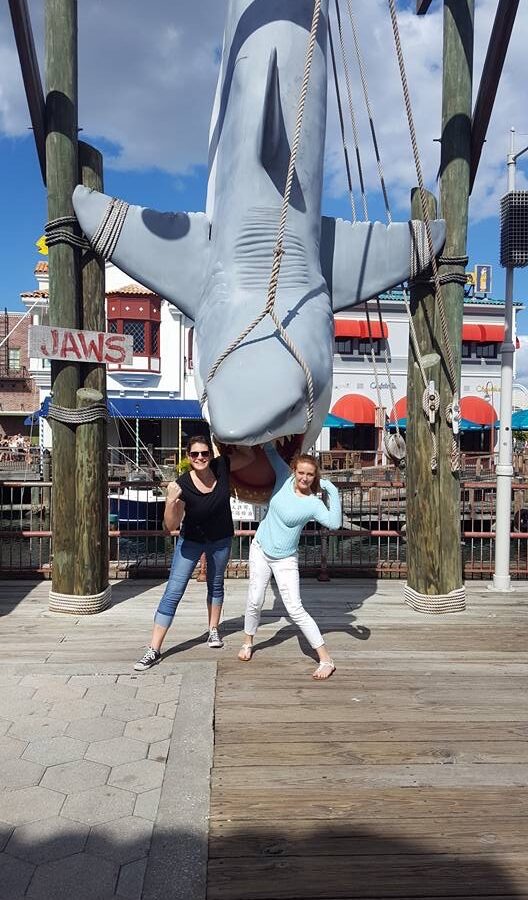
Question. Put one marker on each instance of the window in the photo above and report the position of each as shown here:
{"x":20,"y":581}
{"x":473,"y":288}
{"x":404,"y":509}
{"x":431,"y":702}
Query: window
{"x":112,"y":326}
{"x":154,"y":338}
{"x":137,"y":330}
{"x":466,"y":349}
{"x":369,"y":346}
{"x":357,"y":346}
{"x":344,"y":346}
{"x":14,"y":364}
{"x":190,"y":339}
{"x":487,"y":351}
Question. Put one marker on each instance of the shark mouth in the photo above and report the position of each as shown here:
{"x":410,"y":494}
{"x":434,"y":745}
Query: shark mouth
{"x":254,"y":483}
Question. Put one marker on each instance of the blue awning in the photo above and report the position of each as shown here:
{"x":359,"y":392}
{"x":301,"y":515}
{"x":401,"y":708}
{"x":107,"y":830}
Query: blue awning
{"x":332,"y":421}
{"x":153,"y":408}
{"x":137,"y":408}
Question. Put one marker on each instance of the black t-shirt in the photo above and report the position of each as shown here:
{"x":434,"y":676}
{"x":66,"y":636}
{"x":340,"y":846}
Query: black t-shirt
{"x":207,"y":516}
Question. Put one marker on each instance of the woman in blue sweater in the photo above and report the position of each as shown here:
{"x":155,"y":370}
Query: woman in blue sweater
{"x":274,"y":549}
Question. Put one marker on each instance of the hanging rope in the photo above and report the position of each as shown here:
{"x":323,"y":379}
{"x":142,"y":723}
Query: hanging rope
{"x":364,"y":85}
{"x":278,"y":252}
{"x":342,"y":126}
{"x":351,"y":112}
{"x":455,"y":452}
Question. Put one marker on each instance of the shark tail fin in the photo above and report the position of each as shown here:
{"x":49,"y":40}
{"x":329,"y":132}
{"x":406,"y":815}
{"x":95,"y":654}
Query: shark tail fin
{"x":363,"y":259}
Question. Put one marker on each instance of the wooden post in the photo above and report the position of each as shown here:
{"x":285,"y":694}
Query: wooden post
{"x":61,"y":172}
{"x":433,"y":499}
{"x":455,"y":167}
{"x":91,"y":520}
{"x":91,"y":511}
{"x":423,"y":498}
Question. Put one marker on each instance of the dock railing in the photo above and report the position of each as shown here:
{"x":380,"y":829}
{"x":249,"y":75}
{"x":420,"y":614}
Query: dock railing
{"x":372,"y":541}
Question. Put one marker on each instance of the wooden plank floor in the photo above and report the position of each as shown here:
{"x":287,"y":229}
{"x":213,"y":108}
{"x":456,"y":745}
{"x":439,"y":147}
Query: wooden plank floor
{"x":405,"y":775}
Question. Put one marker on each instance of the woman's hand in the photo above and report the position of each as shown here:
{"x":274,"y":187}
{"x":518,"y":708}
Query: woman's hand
{"x":174,"y":491}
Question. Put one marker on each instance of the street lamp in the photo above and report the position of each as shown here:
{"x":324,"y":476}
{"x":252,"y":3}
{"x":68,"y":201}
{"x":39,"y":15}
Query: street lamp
{"x":504,"y":469}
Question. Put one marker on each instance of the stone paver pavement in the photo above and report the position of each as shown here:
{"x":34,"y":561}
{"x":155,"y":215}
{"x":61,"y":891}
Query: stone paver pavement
{"x":82,"y":765}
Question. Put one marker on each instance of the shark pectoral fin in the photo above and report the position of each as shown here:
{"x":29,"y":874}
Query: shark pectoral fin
{"x":165,"y":252}
{"x":362,"y":259}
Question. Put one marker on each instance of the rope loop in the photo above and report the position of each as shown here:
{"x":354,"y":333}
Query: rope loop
{"x":56,"y":233}
{"x":81,"y":416}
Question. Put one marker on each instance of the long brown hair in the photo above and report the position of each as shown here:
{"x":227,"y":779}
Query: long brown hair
{"x":308,"y":458}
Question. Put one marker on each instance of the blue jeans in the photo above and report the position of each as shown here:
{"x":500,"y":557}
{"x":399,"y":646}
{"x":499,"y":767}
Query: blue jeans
{"x":186,"y":558}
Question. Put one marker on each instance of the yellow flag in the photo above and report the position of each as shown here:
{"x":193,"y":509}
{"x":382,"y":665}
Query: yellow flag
{"x":42,"y":245}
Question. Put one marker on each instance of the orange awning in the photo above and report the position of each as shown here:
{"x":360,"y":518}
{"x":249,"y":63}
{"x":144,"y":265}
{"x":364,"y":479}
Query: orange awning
{"x":477,"y":410}
{"x":356,"y":408}
{"x":472,"y":333}
{"x":358,"y":328}
{"x":483,"y":334}
{"x":377,"y":330}
{"x":348,"y":328}
{"x":493,"y":334}
{"x":400,"y":410}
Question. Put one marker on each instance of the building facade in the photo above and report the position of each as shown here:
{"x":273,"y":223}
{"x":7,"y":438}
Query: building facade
{"x":154,"y":400}
{"x":19,"y":393}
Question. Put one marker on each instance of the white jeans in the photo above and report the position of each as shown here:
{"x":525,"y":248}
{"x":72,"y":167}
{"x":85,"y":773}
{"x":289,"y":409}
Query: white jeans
{"x":286,"y":574}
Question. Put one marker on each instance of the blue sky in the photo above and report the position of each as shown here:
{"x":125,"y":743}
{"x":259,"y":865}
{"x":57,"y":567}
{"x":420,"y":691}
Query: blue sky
{"x":146,"y":88}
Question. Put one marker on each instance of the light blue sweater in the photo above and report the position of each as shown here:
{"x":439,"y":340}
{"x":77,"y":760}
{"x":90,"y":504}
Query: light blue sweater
{"x":279,"y":532}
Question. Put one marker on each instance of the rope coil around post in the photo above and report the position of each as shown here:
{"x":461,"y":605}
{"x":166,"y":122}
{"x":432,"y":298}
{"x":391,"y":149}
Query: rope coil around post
{"x":80,"y":416}
{"x":83,"y":605}
{"x":435,"y":604}
{"x":56,"y":231}
{"x":278,"y":252}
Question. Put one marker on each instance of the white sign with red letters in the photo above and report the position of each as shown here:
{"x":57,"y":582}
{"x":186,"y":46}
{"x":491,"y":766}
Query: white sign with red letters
{"x":50,"y":342}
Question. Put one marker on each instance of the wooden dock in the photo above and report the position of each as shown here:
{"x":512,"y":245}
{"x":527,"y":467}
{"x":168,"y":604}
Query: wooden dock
{"x":403,"y":776}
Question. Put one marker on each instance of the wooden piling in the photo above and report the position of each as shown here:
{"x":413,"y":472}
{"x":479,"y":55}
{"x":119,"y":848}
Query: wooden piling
{"x":91,"y":523}
{"x":64,"y":275}
{"x":433,"y":499}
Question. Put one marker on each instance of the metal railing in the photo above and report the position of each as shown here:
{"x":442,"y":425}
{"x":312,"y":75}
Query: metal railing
{"x":370,"y":543}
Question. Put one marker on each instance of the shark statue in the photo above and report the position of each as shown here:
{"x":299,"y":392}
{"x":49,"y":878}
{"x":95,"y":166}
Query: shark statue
{"x":215,"y":266}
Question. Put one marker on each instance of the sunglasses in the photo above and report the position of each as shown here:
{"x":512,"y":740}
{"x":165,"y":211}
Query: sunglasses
{"x":194,"y":454}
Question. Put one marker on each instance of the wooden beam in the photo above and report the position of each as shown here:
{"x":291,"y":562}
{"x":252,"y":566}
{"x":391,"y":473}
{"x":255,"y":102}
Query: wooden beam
{"x":422,"y":6}
{"x":489,"y":82}
{"x":31,"y":76}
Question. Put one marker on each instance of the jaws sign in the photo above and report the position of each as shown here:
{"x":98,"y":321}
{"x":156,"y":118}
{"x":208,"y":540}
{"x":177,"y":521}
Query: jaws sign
{"x":47,"y":342}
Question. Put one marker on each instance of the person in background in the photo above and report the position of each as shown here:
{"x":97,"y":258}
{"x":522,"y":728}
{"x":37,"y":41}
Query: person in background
{"x":201,"y":498}
{"x":274,"y":548}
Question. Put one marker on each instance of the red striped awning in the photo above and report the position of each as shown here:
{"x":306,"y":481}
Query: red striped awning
{"x":483,"y":334}
{"x":358,"y":328}
{"x":477,"y":410}
{"x":493,"y":334}
{"x":348,"y":328}
{"x":377,"y":330}
{"x":400,"y":410}
{"x":356,"y":408}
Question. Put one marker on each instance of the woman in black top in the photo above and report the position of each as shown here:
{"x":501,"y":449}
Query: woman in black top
{"x":202,"y":494}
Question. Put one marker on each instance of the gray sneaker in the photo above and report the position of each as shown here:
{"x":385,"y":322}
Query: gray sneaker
{"x":214,"y":640}
{"x":150,"y":658}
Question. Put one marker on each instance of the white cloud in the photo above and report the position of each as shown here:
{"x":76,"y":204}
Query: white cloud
{"x":147,"y":74}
